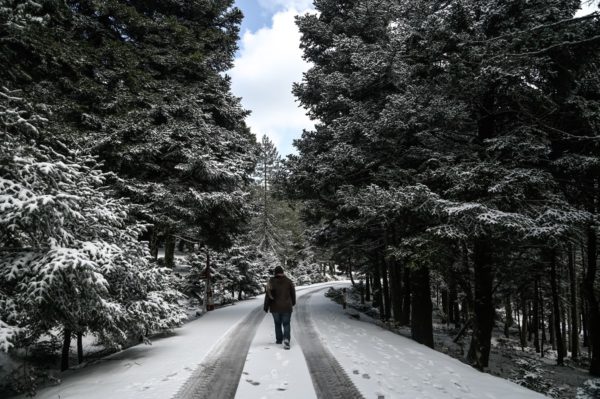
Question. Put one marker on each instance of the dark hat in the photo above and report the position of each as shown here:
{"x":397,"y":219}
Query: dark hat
{"x":278,"y":270}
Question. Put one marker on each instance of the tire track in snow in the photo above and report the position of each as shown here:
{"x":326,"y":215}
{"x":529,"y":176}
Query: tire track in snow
{"x":219,"y":373}
{"x":329,"y":378}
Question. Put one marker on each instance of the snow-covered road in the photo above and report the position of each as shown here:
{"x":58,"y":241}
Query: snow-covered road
{"x":379,"y":363}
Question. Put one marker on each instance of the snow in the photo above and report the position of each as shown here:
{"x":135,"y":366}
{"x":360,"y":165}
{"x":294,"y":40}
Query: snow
{"x":151,"y":371}
{"x":273,"y":372}
{"x":380,"y":363}
{"x":383,"y":364}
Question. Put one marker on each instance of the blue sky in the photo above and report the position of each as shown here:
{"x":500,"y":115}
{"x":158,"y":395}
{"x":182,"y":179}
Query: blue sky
{"x":267,"y":63}
{"x":255,"y":16}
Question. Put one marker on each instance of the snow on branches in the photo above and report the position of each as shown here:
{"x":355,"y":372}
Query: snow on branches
{"x":69,"y":257}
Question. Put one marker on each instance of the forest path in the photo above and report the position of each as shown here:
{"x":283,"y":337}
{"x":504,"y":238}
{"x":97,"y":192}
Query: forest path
{"x":329,"y":378}
{"x":308,"y":370}
{"x":380,"y":364}
{"x":219,"y":373}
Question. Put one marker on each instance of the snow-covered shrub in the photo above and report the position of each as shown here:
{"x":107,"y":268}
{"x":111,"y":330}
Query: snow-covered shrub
{"x":336,"y":295}
{"x":235,"y":271}
{"x":306,"y":273}
{"x":589,"y":390}
{"x":529,"y":373}
{"x":70,"y":258}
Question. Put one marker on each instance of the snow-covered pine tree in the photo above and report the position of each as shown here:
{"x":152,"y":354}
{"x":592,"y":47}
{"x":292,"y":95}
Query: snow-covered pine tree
{"x":268,"y":239}
{"x":69,"y":259}
{"x":275,"y":228}
{"x":142,"y":85}
{"x":494,"y":63}
{"x":458,"y":96}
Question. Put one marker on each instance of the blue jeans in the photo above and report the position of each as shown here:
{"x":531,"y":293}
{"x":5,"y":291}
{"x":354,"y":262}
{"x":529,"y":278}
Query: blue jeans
{"x":282,"y":319}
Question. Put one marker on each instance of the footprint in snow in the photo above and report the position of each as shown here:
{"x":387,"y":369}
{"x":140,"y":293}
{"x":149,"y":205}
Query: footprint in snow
{"x":168,"y":377}
{"x":245,"y":372}
{"x":439,"y":387}
{"x":252,"y":381}
{"x":355,"y":372}
{"x":460,"y":387}
{"x":366,"y":376}
{"x":283,"y":386}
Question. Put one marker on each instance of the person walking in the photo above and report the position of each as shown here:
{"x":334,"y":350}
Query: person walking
{"x":280,"y":298}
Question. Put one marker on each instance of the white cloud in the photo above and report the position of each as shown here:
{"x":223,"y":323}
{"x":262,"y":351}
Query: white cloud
{"x":269,"y":61}
{"x":286,"y":4}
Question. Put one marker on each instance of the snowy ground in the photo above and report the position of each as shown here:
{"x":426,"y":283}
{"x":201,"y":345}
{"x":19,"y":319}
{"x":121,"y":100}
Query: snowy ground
{"x":381,"y":364}
{"x":385,"y":365}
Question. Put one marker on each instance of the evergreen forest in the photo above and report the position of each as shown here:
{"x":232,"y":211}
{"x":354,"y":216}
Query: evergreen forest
{"x":453,"y":174}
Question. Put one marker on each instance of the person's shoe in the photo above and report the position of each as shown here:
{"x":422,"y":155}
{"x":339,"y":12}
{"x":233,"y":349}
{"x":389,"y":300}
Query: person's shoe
{"x":286,"y":344}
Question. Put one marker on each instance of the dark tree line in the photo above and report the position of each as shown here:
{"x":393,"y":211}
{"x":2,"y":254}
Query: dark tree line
{"x":457,"y":141}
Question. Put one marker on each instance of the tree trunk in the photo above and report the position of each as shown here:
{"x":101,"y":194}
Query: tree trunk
{"x":169,"y":250}
{"x":584,"y":311}
{"x":508,"y":321}
{"x":555,"y":308}
{"x":542,"y":325}
{"x":530,"y":327}
{"x":350,"y":271}
{"x":574,"y":318}
{"x":563,"y":319}
{"x":523,"y":326}
{"x":377,"y":299}
{"x":406,"y":298}
{"x":154,"y":242}
{"x":445,"y":306}
{"x":454,"y":314}
{"x":483,"y":320}
{"x":592,"y":302}
{"x":422,"y":324}
{"x":386,"y":289}
{"x":536,"y":316}
{"x":79,"y":347}
{"x":396,"y":290}
{"x":64,"y":360}
{"x":207,"y":288}
{"x":551,"y":330}
{"x":368,"y":287}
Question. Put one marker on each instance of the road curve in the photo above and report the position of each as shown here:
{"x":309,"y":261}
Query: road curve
{"x":219,"y":373}
{"x":329,"y":378}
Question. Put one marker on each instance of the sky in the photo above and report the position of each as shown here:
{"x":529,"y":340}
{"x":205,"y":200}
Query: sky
{"x":269,"y":61}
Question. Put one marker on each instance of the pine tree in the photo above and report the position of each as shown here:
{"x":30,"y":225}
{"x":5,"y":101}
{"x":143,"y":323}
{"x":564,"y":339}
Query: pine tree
{"x":459,"y":97}
{"x":70,"y":258}
{"x":142,"y":85}
{"x":266,"y":170}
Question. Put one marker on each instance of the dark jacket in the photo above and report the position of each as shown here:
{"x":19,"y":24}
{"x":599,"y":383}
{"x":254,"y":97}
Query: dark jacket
{"x":280,"y":295}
